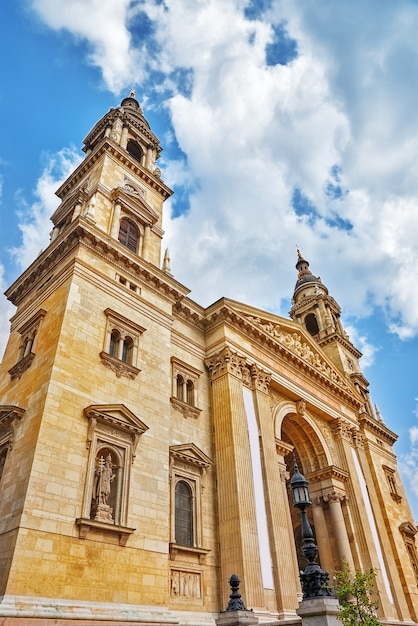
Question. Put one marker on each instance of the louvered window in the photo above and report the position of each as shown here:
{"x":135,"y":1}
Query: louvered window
{"x":128,"y":234}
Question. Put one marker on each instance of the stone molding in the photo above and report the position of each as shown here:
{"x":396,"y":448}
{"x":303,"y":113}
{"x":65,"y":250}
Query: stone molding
{"x":120,"y":368}
{"x":187,"y":410}
{"x":10,"y":416}
{"x":21,"y":366}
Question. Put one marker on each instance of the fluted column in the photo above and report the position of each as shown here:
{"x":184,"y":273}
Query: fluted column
{"x":334,"y":500}
{"x":321,"y":535}
{"x":285,"y":574}
{"x":237,"y":512}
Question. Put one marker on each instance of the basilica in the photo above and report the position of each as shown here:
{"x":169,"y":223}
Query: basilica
{"x":147,"y":443}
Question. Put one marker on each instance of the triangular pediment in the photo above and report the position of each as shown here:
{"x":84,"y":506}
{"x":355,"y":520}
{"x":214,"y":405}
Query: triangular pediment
{"x":282,"y":336}
{"x":117,"y":415}
{"x":132,"y":197}
{"x":190,"y":453}
{"x":408,"y":529}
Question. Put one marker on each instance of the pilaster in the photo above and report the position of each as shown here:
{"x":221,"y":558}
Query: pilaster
{"x":238,"y":536}
{"x":277,"y":506}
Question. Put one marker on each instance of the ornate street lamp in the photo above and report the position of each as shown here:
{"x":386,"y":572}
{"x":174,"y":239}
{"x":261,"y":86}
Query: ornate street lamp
{"x":314,"y":580}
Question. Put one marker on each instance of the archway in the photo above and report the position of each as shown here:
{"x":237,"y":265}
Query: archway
{"x":307,"y":446}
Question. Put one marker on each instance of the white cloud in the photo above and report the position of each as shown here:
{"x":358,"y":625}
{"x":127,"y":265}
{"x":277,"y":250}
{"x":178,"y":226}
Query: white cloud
{"x":35,"y":224}
{"x":253,"y":133}
{"x":6,"y":311}
{"x":104,"y":25}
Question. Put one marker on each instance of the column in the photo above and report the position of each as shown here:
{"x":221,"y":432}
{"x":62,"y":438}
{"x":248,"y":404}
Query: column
{"x":238,"y":536}
{"x":283,"y":555}
{"x":321,"y":534}
{"x":145,"y":245}
{"x":114,"y":231}
{"x":334,"y":500}
{"x":124,"y":136}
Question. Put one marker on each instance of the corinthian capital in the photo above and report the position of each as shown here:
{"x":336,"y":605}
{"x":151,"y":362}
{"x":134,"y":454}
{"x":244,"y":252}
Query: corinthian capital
{"x":226,"y":362}
{"x":261,"y":379}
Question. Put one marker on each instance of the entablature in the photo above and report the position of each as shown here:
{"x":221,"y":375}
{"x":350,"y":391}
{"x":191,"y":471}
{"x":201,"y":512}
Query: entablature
{"x":80,"y":232}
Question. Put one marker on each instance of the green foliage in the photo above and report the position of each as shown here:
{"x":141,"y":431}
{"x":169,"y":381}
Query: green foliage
{"x":357,"y":597}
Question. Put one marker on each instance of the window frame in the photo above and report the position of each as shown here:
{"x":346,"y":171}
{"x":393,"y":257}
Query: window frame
{"x":128,"y":331}
{"x":188,"y":464}
{"x":185,"y":388}
{"x":26,"y":354}
{"x":111,"y":427}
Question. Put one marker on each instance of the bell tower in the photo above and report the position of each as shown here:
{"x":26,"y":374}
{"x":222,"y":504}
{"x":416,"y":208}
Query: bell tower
{"x":320,"y":314}
{"x":118,"y":187}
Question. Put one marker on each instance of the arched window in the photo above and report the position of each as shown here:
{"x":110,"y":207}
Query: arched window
{"x":135,"y":150}
{"x":190,"y":392}
{"x":184,"y":514}
{"x":128,"y":234}
{"x":114,"y":343}
{"x":127,"y":350}
{"x":311,"y":324}
{"x":179,"y":387}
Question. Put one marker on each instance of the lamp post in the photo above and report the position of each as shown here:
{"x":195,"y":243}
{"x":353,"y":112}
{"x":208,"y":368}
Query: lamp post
{"x":314,"y":580}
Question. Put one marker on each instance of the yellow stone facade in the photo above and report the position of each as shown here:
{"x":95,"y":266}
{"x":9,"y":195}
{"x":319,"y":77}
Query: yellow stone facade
{"x":198,"y":413}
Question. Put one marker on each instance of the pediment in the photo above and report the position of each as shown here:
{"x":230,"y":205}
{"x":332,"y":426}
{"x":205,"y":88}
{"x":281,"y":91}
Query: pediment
{"x":408,"y":529}
{"x":132,"y":197}
{"x":285,"y":337}
{"x":190,"y":453}
{"x":9,"y":413}
{"x":118,"y":416}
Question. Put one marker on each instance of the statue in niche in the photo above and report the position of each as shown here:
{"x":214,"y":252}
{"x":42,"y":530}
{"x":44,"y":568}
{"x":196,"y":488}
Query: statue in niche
{"x":103,"y":477}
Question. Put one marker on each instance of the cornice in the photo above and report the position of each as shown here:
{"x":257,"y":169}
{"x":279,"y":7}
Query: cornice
{"x":190,"y":312}
{"x":368,"y":423}
{"x":328,"y":472}
{"x":125,"y":116}
{"x":107,"y":146}
{"x":80,"y":232}
{"x":341,"y":340}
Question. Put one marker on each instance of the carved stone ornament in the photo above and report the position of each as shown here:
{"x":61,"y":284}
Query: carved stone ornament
{"x":226,"y":362}
{"x":185,"y":584}
{"x":301,"y":407}
{"x":21,"y":366}
{"x":261,"y":380}
{"x":295,"y":344}
{"x":10,"y":416}
{"x":187,"y":410}
{"x":119,"y":367}
{"x":334,"y":496}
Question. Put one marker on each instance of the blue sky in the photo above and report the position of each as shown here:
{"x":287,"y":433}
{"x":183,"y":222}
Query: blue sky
{"x":282,"y":123}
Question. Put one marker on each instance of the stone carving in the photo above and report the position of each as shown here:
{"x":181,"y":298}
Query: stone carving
{"x":294,"y":343}
{"x":260,"y":379}
{"x":187,"y":410}
{"x":185,"y":584}
{"x":120,"y":368}
{"x":226,"y":362}
{"x":334,"y":496}
{"x":102,"y":487}
{"x":301,"y":407}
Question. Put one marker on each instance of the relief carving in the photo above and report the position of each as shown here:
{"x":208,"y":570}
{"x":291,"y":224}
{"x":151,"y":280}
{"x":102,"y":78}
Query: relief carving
{"x":185,"y":584}
{"x":294,"y":343}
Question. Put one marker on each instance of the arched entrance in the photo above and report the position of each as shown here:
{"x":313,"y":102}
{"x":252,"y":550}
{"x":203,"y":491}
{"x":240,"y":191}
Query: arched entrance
{"x":306,"y":445}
